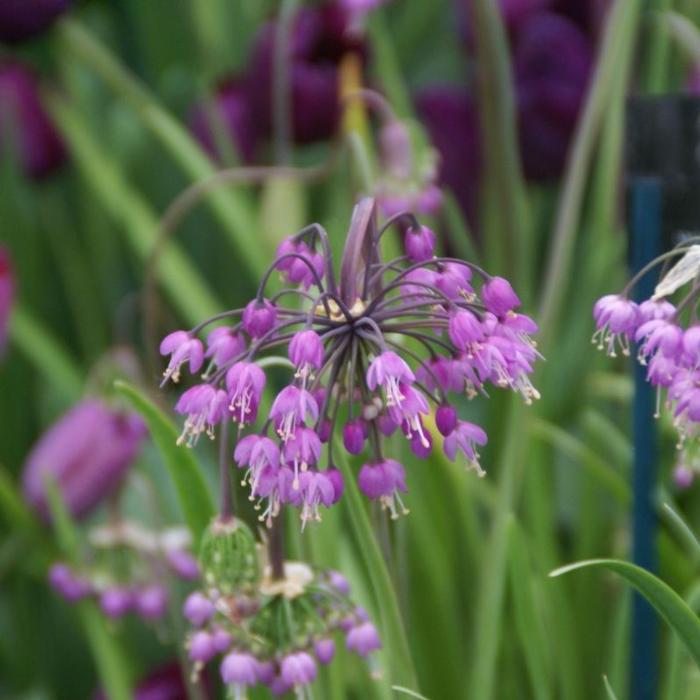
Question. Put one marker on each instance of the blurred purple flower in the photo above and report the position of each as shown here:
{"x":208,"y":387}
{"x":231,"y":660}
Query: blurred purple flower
{"x":164,"y":683}
{"x":7,"y":294}
{"x":450,"y":116}
{"x":231,"y":106}
{"x":24,"y":125}
{"x":22,"y":19}
{"x":87,"y":452}
{"x":552,"y":62}
{"x":320,"y":37}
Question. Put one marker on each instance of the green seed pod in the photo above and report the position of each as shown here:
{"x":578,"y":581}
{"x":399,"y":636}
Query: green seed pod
{"x":228,"y":557}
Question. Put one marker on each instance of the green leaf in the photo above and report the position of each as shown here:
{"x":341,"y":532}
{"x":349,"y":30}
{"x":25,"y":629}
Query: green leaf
{"x":109,"y":656}
{"x":608,"y":689}
{"x":665,"y":600}
{"x":192,"y":492}
{"x":394,"y":634}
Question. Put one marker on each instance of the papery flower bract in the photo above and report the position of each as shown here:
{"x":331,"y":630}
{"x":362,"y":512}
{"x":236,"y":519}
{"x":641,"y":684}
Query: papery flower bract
{"x":86,"y":453}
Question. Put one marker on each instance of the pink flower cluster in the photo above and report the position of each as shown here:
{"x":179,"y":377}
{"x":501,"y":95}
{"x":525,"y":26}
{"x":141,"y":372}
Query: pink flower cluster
{"x":376,"y":352}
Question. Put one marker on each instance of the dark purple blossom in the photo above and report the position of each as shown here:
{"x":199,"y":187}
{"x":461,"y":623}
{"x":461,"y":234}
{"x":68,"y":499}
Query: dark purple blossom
{"x":23,"y":19}
{"x":26,"y":131}
{"x":87,"y":453}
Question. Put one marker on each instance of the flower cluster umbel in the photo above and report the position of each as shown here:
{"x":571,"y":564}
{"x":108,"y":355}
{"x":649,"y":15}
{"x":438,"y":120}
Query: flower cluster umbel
{"x":127,"y":569}
{"x":266,"y":629}
{"x":667,"y":345}
{"x":371,"y":353}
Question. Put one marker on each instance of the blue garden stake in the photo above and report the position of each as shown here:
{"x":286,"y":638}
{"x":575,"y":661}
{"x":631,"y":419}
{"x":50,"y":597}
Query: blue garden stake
{"x":646,"y":243}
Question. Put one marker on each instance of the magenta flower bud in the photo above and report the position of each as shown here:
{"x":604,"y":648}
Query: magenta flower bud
{"x":259,"y":318}
{"x":324,"y":430}
{"x":223,"y":344}
{"x":182,"y":348}
{"x":324,"y":650}
{"x":116,"y":602}
{"x":683,"y":477}
{"x":25,"y":128}
{"x":419,"y":244}
{"x":464,"y":330}
{"x":298,"y":669}
{"x":354,"y":436}
{"x":152,"y":602}
{"x":201,"y":647}
{"x":387,"y":425}
{"x":363,"y":639}
{"x":499,"y":297}
{"x":306,"y":350}
{"x":23,"y":19}
{"x":86,"y":453}
{"x":183,"y":564}
{"x":239,"y":669}
{"x":7,"y":295}
{"x":446,"y":419}
{"x":198,"y":609}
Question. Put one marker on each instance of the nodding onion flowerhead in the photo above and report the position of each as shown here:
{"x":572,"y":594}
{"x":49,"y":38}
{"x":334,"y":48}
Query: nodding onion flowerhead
{"x":374,"y":350}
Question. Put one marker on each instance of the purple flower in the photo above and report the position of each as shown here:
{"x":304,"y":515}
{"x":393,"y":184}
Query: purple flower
{"x":319,"y":40}
{"x":245,"y":382}
{"x":388,"y":370}
{"x":227,"y":118}
{"x":616,"y":320}
{"x":204,"y":407}
{"x":324,"y":650}
{"x":306,"y":352}
{"x":419,"y":244}
{"x":86,"y":453}
{"x":183,"y":564}
{"x":683,"y":477}
{"x":7,"y":295}
{"x":182,"y":348}
{"x":499,"y":297}
{"x":354,"y":436}
{"x":164,"y":683}
{"x":291,"y":408}
{"x":116,"y":602}
{"x":201,"y":647}
{"x":258,"y":318}
{"x":317,"y":490}
{"x":298,"y":669}
{"x":25,"y":128}
{"x":223,"y":345}
{"x":152,"y":602}
{"x":198,"y":609}
{"x":23,"y":19}
{"x":383,"y":481}
{"x":465,"y":330}
{"x":239,"y":670}
{"x":552,"y":63}
{"x":363,"y":639}
{"x":68,"y":584}
{"x":465,"y":438}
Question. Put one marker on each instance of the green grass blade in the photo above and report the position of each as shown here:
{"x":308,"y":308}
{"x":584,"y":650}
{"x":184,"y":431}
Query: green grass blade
{"x":109,"y":656}
{"x":184,"y":285}
{"x":45,"y":353}
{"x":230,"y":207}
{"x":527,"y":617}
{"x":665,"y":600}
{"x":193,"y":495}
{"x":394,"y":634}
{"x":608,"y":689}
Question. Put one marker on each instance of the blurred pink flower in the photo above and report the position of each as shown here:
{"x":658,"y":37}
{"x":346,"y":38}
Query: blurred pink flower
{"x":87,"y":452}
{"x":24,"y":125}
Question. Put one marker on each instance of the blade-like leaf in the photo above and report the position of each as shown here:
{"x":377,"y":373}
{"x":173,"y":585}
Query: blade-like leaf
{"x":664,"y":599}
{"x":608,"y":689}
{"x":192,"y":492}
